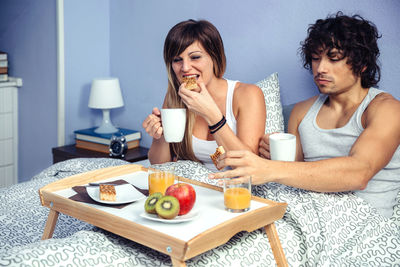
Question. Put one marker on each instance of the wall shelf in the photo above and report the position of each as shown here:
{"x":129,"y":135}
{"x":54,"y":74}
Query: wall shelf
{"x":9,"y":131}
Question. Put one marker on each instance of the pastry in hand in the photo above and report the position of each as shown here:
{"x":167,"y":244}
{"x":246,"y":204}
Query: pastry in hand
{"x":191,"y":82}
{"x":219,"y":151}
{"x":107,"y":192}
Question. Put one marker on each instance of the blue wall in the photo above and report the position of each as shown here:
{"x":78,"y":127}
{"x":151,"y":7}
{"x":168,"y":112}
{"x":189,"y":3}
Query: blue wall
{"x":125,"y":38}
{"x":260,"y":37}
{"x":87,"y":56}
{"x":28,"y":35}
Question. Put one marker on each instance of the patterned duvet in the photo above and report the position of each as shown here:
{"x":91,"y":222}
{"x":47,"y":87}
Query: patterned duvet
{"x":317,"y":230}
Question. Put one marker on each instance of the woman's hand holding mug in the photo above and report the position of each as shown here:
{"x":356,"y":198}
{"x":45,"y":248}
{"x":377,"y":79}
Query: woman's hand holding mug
{"x":152,"y":124}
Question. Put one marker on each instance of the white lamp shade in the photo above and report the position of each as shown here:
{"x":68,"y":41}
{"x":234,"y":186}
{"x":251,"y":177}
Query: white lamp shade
{"x":105,"y":94}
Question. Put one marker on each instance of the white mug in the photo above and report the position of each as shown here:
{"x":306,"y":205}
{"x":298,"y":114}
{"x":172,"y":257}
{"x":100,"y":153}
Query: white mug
{"x":282,"y":146}
{"x":173,"y":123}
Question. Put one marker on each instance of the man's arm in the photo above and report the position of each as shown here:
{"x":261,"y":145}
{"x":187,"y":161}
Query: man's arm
{"x":369,"y":154}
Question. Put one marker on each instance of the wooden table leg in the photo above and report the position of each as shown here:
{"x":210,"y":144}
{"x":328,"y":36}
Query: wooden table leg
{"x":178,"y":263}
{"x":50,"y":224}
{"x":276,"y":246}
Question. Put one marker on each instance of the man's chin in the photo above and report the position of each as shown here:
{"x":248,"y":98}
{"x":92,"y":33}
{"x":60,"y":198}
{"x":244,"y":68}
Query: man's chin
{"x":321,"y":89}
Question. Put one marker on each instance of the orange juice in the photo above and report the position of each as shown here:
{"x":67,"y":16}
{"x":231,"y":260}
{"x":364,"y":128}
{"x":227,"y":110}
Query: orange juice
{"x":237,"y":198}
{"x":160,"y":181}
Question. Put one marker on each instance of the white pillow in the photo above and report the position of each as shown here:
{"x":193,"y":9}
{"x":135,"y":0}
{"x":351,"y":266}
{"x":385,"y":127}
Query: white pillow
{"x":272,"y":95}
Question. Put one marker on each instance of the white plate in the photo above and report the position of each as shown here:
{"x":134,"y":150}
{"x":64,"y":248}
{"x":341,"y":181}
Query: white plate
{"x":178,"y":219}
{"x":126,"y":193}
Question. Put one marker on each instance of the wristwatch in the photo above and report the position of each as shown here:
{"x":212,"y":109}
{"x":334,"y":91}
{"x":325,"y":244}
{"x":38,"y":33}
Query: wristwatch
{"x":118,"y":146}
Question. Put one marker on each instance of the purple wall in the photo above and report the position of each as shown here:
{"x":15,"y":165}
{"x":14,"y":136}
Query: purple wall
{"x":87,"y":56}
{"x":27,"y":33}
{"x":125,"y":38}
{"x":260,"y":37}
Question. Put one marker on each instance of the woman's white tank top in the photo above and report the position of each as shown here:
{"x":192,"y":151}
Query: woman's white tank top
{"x":203,"y":148}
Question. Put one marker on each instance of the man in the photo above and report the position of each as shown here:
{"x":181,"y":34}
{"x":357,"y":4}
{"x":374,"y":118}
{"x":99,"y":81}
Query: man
{"x":348,"y":137}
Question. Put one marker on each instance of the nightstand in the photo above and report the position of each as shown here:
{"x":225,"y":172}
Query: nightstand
{"x":70,"y":152}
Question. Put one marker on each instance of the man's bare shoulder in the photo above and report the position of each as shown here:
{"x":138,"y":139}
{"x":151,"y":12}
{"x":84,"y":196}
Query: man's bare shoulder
{"x":300,"y":109}
{"x":386,"y":98}
{"x":385,"y":102}
{"x":383,"y":107}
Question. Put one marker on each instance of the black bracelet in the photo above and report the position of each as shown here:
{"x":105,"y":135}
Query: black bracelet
{"x":212,"y":127}
{"x":219,"y":127}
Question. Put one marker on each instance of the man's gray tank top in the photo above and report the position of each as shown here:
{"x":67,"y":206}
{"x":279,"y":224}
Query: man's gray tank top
{"x":319,"y":144}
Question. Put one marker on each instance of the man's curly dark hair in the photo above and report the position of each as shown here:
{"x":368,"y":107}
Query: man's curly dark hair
{"x":355,"y":37}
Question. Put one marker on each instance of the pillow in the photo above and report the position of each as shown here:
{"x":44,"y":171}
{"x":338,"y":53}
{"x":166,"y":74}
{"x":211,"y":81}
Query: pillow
{"x":272,"y":95}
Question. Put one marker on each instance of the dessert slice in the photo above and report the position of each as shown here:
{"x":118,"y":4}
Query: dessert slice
{"x":107,"y":192}
{"x":190,"y":82}
{"x":219,"y":151}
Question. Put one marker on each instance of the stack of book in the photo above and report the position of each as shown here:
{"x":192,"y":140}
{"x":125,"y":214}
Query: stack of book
{"x":89,"y":139}
{"x":3,"y":67}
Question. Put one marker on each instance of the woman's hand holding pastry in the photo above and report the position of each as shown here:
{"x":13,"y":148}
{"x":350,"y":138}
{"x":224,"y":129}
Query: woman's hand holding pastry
{"x":152,"y":124}
{"x":201,"y":103}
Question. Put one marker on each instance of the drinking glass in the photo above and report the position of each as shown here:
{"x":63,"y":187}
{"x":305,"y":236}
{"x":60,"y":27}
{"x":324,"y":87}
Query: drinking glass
{"x":237,"y":194}
{"x":160,"y":180}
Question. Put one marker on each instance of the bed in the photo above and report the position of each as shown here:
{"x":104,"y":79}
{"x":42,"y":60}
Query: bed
{"x":318,"y":229}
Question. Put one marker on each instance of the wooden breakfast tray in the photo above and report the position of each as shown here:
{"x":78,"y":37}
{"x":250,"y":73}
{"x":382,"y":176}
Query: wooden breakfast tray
{"x":215,"y":225}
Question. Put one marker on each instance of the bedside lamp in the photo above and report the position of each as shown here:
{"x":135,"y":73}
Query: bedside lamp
{"x":106,"y":94}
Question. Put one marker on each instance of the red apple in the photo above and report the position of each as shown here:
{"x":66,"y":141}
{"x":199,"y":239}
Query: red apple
{"x":185,"y":194}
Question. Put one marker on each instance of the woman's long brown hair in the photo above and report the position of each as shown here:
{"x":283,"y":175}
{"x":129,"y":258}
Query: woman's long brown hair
{"x":178,"y":39}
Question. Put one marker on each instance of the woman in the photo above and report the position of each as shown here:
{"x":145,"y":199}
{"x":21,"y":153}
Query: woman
{"x":196,"y":48}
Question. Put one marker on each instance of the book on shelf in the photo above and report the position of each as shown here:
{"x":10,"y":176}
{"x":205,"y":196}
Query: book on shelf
{"x":3,"y":55}
{"x":3,"y":77}
{"x":90,"y":135}
{"x":101,"y":147}
{"x":3,"y":67}
{"x":3,"y":70}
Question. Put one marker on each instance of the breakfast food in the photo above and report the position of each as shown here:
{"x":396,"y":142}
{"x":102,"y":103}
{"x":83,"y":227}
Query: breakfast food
{"x":219,"y":151}
{"x":167,"y":207}
{"x":107,"y":192}
{"x":150,"y":204}
{"x":185,"y":194}
{"x":159,"y":181}
{"x":190,"y":81}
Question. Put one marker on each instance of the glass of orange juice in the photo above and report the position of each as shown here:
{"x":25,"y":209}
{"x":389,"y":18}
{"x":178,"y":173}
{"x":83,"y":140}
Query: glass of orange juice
{"x":237,"y":194}
{"x":160,"y":180}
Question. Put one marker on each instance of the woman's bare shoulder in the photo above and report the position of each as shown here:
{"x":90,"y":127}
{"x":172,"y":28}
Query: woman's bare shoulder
{"x":244,"y":88}
{"x":248,"y":92}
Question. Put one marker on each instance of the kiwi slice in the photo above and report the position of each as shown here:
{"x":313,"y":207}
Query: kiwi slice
{"x":150,"y":204}
{"x":167,"y":207}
